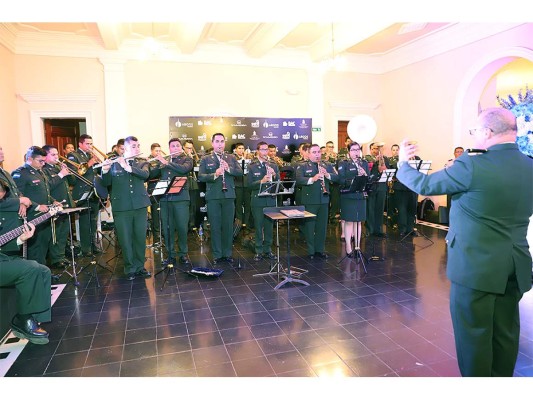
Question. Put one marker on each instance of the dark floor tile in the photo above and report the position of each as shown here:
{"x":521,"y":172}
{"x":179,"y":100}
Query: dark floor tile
{"x":319,"y":355}
{"x":80,"y":330}
{"x":102,"y":371}
{"x":244,"y":350}
{"x":337,"y":369}
{"x":233,"y":321}
{"x":209,"y":339}
{"x":140,"y":335}
{"x":202,"y":326}
{"x":143,"y":367}
{"x":63,"y":362}
{"x":427,"y":353}
{"x":321,"y":321}
{"x":235,"y":335}
{"x":142,"y":322}
{"x":170,"y":318}
{"x":207,"y":356}
{"x":266,"y":330}
{"x":276,"y":344}
{"x":257,"y":318}
{"x":306,"y":339}
{"x":30,"y":367}
{"x":446,"y":368}
{"x":74,"y":345}
{"x":368,"y":366}
{"x":175,"y":363}
{"x":218,"y":370}
{"x":109,"y":339}
{"x":399,"y":360}
{"x":167,"y":331}
{"x":253,"y":367}
{"x":286,"y":361}
{"x":112,"y":326}
{"x":104,"y":355}
{"x":173,"y":345}
{"x":139,"y":350}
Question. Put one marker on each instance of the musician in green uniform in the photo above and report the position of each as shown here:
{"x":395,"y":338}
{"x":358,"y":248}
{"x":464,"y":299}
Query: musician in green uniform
{"x":88,"y":218}
{"x":56,"y":174}
{"x":314,"y":177}
{"x":194,"y":190}
{"x":32,"y":183}
{"x":129,"y":200}
{"x":377,"y":163}
{"x":11,"y":218}
{"x":218,"y":171}
{"x":391,"y":198}
{"x":31,"y":279}
{"x":260,"y":172}
{"x":242,"y":189}
{"x":175,"y":206}
{"x":155,"y":215}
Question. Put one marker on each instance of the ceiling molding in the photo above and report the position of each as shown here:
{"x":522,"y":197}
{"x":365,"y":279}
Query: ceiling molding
{"x":8,"y":37}
{"x":65,"y":98}
{"x":266,"y":37}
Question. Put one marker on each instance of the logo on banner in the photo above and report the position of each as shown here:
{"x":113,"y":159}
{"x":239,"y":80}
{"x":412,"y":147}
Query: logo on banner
{"x":289,"y":123}
{"x":239,"y":123}
{"x":255,"y":124}
{"x":286,"y":136}
{"x":267,"y":125}
{"x":303,"y":124}
{"x":239,"y":136}
{"x":254,"y":136}
{"x":202,"y":137}
{"x":270,"y":135}
{"x":185,"y":137}
{"x":302,"y":137}
{"x":200,"y":123}
{"x":178,"y":124}
{"x":207,"y":122}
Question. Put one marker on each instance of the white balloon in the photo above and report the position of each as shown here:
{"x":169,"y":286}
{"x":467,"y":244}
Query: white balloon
{"x":362,"y":128}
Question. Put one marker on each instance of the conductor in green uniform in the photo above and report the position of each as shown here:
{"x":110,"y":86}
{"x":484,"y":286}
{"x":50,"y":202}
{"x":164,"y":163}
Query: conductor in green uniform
{"x":130,"y":202}
{"x":31,"y":279}
{"x":314,"y":177}
{"x":261,"y":172}
{"x":175,"y":207}
{"x":489,"y":263}
{"x":218,"y":171}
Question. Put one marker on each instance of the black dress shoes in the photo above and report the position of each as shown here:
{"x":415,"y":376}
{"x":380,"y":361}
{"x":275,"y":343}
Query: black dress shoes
{"x":130,"y":276}
{"x":229,"y":259}
{"x":60,"y":265}
{"x":170,"y":260}
{"x":218,"y":261}
{"x":323,"y":256}
{"x":269,"y":255}
{"x":258,"y":257}
{"x":143,"y":273}
{"x":96,"y":250}
{"x":185,"y":260}
{"x":28,"y":328}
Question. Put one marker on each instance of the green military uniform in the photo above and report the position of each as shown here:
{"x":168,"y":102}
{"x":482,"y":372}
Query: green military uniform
{"x":489,"y":263}
{"x":194,"y":196}
{"x":9,"y":218}
{"x":32,"y":183}
{"x":31,"y":279}
{"x":155,"y":215}
{"x":334,"y":194}
{"x":59,"y":190}
{"x":405,"y":200}
{"x":243,"y":194}
{"x":129,"y":201}
{"x":175,"y":207}
{"x":376,"y":198}
{"x":391,"y":198}
{"x":316,"y":202}
{"x":220,"y":204}
{"x":87,"y":218}
{"x":353,"y":204}
{"x":263,"y":225}
{"x":296,"y":161}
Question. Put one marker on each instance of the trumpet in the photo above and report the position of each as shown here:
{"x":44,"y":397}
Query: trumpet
{"x":81,"y":168}
{"x":111,"y":161}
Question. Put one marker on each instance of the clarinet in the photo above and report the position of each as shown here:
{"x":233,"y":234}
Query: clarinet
{"x":222,"y":160}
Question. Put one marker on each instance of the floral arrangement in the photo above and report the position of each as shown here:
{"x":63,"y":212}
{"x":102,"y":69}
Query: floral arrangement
{"x":523,"y":110}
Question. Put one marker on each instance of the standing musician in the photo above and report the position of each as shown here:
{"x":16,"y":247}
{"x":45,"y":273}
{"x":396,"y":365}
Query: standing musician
{"x":155,"y":215}
{"x":175,"y":207}
{"x":314,"y":177}
{"x":334,"y":203}
{"x":405,"y":201}
{"x":242,"y":190}
{"x":32,"y":183}
{"x":31,"y":279}
{"x":272,"y":155}
{"x":129,"y":199}
{"x":56,"y":174}
{"x":376,"y":198}
{"x":194,"y":191}
{"x":262,"y":171}
{"x":218,"y":171}
{"x":87,"y":221}
{"x":9,"y":217}
{"x":353,"y":205}
{"x":68,"y":148}
{"x":391,"y":198}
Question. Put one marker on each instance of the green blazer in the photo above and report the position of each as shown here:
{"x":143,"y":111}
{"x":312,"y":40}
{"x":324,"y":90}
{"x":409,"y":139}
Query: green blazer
{"x":256,"y":172}
{"x":208,"y":165}
{"x":313,"y":193}
{"x":33,"y":184}
{"x":127,"y":190}
{"x":78,"y":186}
{"x":492,"y":201}
{"x":180,"y":165}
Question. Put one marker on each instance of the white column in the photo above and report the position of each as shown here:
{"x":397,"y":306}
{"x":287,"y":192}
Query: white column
{"x":115,"y":100}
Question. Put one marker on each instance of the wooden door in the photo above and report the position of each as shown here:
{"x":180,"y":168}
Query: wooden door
{"x":58,"y":132}
{"x":342,"y":134}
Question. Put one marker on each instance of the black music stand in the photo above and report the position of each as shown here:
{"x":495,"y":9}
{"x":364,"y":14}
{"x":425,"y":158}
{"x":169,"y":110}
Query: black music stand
{"x":389,"y":177}
{"x":357,"y":185}
{"x":72,"y":255}
{"x":166,"y":187}
{"x":160,"y":187}
{"x":94,"y":263}
{"x":286,"y":213}
{"x":423,"y":167}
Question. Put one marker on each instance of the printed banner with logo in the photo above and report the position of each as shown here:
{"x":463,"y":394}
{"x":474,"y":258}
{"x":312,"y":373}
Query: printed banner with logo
{"x":285,"y":133}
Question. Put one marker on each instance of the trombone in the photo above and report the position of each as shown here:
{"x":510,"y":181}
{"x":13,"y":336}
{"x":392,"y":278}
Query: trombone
{"x":81,"y":168}
{"x":77,"y":173}
{"x":99,"y":152}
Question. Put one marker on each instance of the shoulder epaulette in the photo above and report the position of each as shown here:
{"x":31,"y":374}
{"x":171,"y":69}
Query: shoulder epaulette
{"x":475,"y":152}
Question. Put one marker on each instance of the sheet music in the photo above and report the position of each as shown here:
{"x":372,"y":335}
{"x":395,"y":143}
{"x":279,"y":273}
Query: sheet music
{"x":420,"y":165}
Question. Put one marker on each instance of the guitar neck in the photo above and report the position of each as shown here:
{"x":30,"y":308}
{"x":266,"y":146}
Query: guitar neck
{"x":7,"y":237}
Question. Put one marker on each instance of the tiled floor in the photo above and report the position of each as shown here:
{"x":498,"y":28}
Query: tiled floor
{"x":392,"y":321}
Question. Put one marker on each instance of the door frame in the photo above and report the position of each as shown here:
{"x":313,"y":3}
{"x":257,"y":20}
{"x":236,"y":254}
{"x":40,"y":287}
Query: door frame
{"x":37,"y":124}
